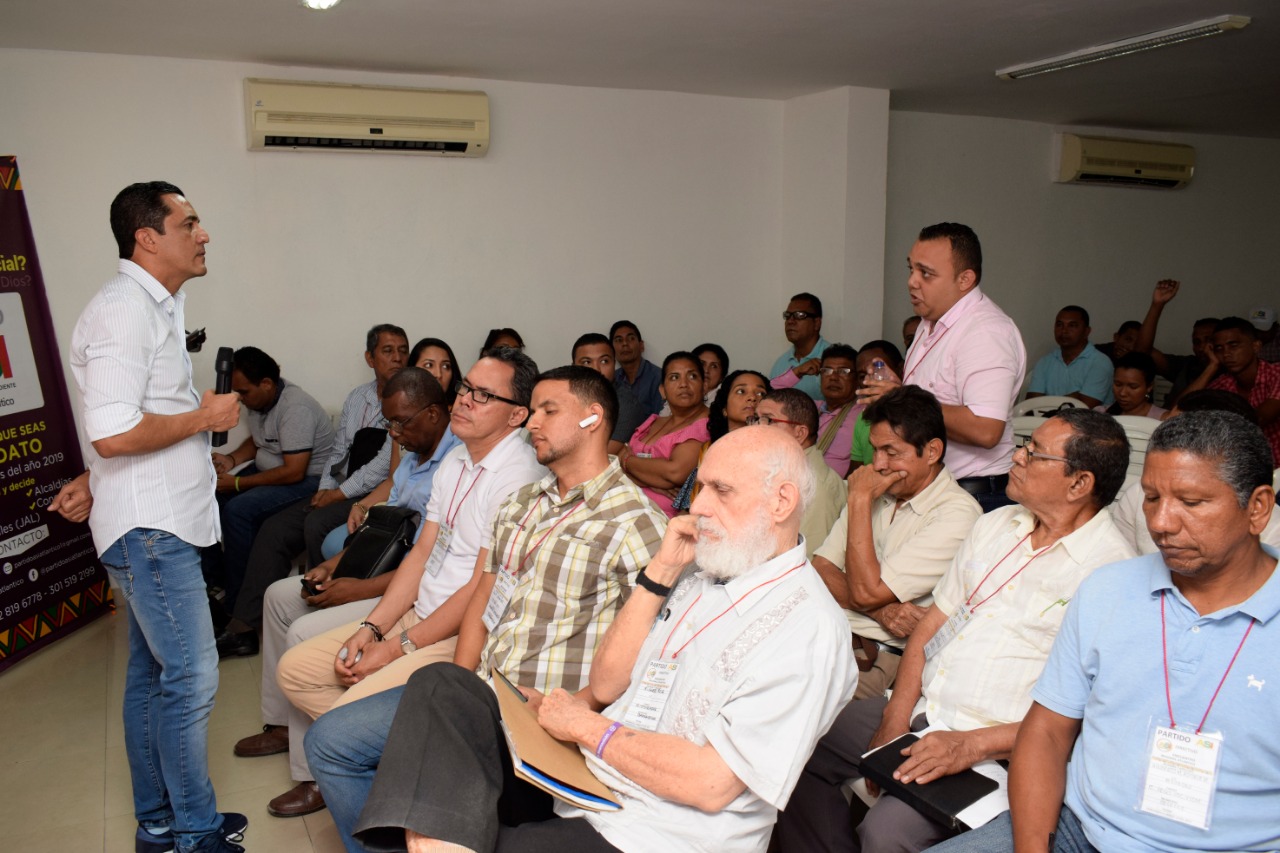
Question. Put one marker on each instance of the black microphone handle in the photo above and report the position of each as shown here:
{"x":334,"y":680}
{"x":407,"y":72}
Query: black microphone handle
{"x":222,"y":384}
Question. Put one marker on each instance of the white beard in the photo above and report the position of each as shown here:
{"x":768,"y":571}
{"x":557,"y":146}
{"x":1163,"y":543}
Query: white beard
{"x":724,"y":558}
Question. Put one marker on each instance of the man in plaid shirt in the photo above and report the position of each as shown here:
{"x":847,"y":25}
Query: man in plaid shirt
{"x":564,"y":556}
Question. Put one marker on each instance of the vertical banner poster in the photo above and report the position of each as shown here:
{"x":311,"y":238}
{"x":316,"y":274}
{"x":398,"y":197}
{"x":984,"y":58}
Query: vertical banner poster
{"x":50,"y":579}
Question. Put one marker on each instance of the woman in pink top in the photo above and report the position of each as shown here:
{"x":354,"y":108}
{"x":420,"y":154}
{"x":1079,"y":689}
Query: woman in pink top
{"x":664,"y":449}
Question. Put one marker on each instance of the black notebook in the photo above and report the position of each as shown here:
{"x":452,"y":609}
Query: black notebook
{"x":942,"y":799}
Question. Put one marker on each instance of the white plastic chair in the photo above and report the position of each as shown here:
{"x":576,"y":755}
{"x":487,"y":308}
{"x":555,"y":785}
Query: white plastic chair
{"x":1138,"y":430}
{"x":1045,"y":405}
{"x":1023,"y":426}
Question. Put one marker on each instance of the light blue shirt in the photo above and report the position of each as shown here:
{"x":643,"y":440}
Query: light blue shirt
{"x":811,"y":385}
{"x":1091,"y":373}
{"x":412,"y":479}
{"x":1106,"y":670}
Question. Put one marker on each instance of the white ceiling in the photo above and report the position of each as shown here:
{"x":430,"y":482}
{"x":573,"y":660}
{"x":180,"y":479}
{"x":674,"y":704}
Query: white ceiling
{"x":933,"y":55}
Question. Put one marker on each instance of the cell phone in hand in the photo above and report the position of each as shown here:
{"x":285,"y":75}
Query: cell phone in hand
{"x":309,"y":587}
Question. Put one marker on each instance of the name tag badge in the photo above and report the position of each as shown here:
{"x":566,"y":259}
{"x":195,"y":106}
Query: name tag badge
{"x":948,"y":631}
{"x":650,"y":699}
{"x":1181,"y":776}
{"x":435,"y":561}
{"x":503,"y":586}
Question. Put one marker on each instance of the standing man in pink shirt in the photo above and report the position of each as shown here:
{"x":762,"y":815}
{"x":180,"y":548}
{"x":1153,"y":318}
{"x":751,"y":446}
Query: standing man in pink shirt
{"x":968,"y":354}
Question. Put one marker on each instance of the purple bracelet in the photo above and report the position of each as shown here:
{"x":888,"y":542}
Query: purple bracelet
{"x":605,"y":738}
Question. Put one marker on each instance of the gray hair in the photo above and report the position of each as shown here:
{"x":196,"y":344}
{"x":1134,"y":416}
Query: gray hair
{"x":788,"y":464}
{"x":1238,"y":448}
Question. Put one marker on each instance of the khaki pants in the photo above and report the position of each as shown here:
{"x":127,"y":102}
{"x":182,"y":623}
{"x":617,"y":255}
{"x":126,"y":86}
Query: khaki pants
{"x":306,"y":674}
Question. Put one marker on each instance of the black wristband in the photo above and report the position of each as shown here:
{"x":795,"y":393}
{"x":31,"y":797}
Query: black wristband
{"x":652,"y":585}
{"x":377,"y":635}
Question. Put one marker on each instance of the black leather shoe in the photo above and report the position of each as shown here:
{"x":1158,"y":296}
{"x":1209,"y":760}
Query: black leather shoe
{"x":237,"y":645}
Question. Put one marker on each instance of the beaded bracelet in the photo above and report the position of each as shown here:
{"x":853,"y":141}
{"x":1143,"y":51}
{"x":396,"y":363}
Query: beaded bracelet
{"x":377,"y":634}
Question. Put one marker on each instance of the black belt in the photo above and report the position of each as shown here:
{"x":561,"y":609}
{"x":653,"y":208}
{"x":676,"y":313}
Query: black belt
{"x":984,"y":485}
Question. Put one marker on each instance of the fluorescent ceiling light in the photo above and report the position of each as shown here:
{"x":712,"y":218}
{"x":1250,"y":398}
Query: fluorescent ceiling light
{"x":1124,"y":47}
{"x":319,"y":4}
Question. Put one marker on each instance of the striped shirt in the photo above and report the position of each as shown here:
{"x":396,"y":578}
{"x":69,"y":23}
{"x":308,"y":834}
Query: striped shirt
{"x":576,"y":558}
{"x":129,"y":358}
{"x":361,"y":409}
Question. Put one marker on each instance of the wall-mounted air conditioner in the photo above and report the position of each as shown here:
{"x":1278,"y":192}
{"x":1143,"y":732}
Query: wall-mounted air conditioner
{"x":301,"y":116}
{"x":1124,"y":162}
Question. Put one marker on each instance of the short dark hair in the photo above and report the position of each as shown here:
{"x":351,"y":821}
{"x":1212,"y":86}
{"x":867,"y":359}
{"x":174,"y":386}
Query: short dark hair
{"x":1126,"y":326}
{"x":889,"y":349}
{"x":526,"y":372}
{"x":717,"y":351}
{"x":1206,"y":321}
{"x":505,"y":332}
{"x":371,"y":337}
{"x":1238,"y":448}
{"x":814,"y":302}
{"x":1233,"y":324}
{"x":839,"y":351}
{"x":911,"y":412}
{"x":1098,"y":445}
{"x":966,"y":251}
{"x":451,"y":392}
{"x":590,"y":339}
{"x":419,"y":387}
{"x":680,"y":355}
{"x":1077,"y":309}
{"x":797,"y":406}
{"x":1216,"y":400}
{"x":1140,"y":361}
{"x":589,"y":386}
{"x":255,"y":365}
{"x":613,"y":330}
{"x":139,"y":206}
{"x":717,"y":420}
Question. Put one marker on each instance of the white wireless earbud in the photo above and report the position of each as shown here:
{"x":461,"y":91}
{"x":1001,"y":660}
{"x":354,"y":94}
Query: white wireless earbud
{"x":588,"y":421}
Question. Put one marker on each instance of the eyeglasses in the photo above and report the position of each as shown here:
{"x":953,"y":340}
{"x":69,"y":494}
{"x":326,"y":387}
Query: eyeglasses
{"x":799,"y":315}
{"x":1034,"y":454}
{"x":769,"y":421}
{"x":836,"y":371}
{"x":461,"y":389}
{"x":398,"y":427}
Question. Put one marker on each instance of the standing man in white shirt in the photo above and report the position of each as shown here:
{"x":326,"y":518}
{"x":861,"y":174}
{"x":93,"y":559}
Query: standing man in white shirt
{"x":147,"y":445}
{"x":968,"y":354}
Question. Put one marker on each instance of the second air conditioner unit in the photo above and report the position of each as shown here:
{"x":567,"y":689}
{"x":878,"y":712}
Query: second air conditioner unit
{"x":1124,"y":162}
{"x":302,"y":116}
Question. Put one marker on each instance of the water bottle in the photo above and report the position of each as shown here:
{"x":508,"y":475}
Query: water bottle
{"x":879,"y":371}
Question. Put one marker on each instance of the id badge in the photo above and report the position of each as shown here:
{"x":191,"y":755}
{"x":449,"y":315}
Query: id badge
{"x":435,"y":561}
{"x":651,"y":697}
{"x":1181,"y":776}
{"x":948,"y":631}
{"x":503,"y":586}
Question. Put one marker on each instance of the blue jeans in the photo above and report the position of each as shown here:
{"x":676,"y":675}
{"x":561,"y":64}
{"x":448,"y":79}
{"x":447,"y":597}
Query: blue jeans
{"x":169,"y":685}
{"x":334,"y":542}
{"x":242,"y":516}
{"x":344,"y":747}
{"x":997,"y":837}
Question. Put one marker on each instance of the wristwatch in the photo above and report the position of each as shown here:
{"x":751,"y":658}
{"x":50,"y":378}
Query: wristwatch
{"x":406,"y":643}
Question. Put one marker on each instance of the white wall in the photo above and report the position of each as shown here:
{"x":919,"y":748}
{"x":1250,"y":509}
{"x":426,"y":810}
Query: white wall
{"x":593,"y":204}
{"x":1046,"y":245}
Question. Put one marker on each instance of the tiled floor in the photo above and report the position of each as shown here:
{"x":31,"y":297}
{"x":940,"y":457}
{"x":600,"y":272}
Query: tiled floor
{"x":67,"y":781}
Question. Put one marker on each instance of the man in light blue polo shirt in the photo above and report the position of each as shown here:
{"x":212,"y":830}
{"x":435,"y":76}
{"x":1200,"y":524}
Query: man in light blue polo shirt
{"x":1164,"y":712}
{"x":1076,"y":369}
{"x":802,"y":324}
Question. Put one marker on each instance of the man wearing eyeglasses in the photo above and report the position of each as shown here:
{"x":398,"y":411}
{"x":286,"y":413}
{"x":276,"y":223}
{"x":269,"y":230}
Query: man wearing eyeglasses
{"x":413,"y":405}
{"x":795,"y":414}
{"x":416,"y":622}
{"x":802,"y":324}
{"x":969,"y":666}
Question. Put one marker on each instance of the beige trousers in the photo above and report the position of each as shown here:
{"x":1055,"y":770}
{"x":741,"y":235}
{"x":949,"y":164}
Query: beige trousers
{"x":307,"y":677}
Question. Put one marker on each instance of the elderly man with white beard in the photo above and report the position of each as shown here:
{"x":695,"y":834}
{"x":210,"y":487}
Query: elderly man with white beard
{"x":710,"y":689}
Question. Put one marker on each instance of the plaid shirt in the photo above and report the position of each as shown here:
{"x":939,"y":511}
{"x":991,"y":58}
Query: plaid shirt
{"x":1266,"y":386}
{"x":575,"y":558}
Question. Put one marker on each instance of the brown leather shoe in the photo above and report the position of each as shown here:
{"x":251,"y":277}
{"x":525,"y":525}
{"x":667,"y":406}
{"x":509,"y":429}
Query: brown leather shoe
{"x":303,"y":798}
{"x":272,"y":740}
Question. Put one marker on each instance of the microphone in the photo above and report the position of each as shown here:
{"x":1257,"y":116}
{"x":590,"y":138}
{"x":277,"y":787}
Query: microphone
{"x":223,"y":384}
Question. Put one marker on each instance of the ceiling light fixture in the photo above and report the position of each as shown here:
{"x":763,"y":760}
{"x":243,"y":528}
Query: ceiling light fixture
{"x":1124,"y":47}
{"x":319,"y":5}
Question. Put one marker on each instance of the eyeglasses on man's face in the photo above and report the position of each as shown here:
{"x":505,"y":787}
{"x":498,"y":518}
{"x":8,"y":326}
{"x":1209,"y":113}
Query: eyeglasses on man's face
{"x":769,"y":420}
{"x":1028,"y":447}
{"x":798,"y":315}
{"x":461,"y":389}
{"x":399,"y":426}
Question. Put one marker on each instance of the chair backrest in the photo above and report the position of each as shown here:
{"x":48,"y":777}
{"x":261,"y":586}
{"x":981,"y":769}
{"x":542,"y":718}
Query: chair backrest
{"x":1044,"y":405}
{"x":1138,"y":431}
{"x":1023,"y":426}
{"x":1160,"y":392}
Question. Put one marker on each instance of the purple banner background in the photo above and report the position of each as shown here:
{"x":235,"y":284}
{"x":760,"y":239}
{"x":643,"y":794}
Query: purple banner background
{"x":50,"y":579}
